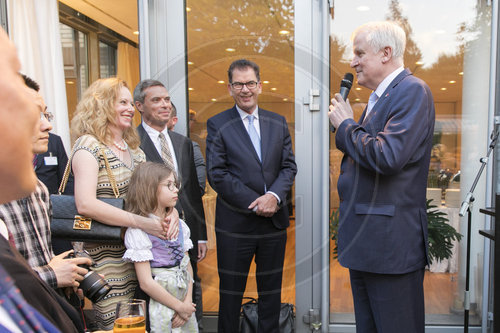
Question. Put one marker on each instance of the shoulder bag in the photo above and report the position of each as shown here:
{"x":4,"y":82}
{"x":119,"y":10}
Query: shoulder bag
{"x":67,"y":224}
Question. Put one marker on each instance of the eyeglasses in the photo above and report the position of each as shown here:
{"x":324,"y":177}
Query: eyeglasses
{"x":46,"y":115}
{"x":239,"y":85}
{"x":172,"y":186}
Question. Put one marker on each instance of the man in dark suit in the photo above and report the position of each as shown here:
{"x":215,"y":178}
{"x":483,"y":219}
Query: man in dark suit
{"x":153,"y":102}
{"x":49,"y":166}
{"x":251,"y":166}
{"x":382,"y":235}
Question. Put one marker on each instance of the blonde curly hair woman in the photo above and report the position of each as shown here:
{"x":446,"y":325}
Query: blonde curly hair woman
{"x":102,"y":126}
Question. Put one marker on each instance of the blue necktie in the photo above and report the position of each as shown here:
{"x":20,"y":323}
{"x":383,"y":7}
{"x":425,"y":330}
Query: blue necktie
{"x":252,"y":132}
{"x":371,"y":102}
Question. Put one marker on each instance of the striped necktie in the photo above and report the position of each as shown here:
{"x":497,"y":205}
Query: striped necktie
{"x":165,"y":152}
{"x":26,"y":318}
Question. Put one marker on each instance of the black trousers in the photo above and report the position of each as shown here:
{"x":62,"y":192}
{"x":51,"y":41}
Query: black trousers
{"x":235,"y":252}
{"x":388,"y":303}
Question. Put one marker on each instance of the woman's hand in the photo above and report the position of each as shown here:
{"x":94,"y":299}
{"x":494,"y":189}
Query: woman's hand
{"x":154,"y":227}
{"x":172,"y":225}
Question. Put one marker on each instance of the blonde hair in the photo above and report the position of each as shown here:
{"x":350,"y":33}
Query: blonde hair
{"x":142,"y":194}
{"x":96,"y":111}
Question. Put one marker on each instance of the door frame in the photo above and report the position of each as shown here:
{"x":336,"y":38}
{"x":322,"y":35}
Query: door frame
{"x":311,"y":150}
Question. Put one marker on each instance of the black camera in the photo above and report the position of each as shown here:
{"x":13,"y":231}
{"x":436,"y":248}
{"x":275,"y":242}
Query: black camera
{"x":93,"y":285}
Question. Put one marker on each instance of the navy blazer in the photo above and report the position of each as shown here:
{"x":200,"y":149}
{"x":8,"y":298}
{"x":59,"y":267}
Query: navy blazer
{"x":383,"y":180}
{"x":189,"y":196}
{"x":239,"y":177}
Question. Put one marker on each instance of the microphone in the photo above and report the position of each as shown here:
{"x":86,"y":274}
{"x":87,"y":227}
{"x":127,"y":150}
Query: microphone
{"x":345,"y":87}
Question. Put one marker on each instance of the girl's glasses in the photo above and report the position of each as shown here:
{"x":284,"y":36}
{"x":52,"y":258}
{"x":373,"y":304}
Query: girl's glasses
{"x":172,"y":186}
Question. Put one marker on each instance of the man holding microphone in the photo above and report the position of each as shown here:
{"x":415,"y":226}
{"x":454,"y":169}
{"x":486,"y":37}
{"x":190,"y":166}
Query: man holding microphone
{"x":382,"y":235}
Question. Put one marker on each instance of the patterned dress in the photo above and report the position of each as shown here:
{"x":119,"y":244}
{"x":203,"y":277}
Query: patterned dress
{"x":108,"y":258}
{"x":169,"y":268}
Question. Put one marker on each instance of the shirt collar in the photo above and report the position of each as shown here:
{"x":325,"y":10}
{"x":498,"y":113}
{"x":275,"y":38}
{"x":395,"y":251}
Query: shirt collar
{"x":244,"y":114}
{"x":388,"y":79}
{"x":152,"y":132}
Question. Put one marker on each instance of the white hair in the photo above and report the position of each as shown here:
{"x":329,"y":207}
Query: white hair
{"x":382,"y":34}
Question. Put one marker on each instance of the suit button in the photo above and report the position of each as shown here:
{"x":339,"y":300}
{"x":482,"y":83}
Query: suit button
{"x":341,"y":200}
{"x":341,"y":172}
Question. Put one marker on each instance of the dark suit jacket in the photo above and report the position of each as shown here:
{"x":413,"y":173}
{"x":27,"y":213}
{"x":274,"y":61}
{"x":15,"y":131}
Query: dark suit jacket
{"x":383,"y":179}
{"x":236,"y":174}
{"x":51,"y":175}
{"x":36,"y":292}
{"x":189,"y":196}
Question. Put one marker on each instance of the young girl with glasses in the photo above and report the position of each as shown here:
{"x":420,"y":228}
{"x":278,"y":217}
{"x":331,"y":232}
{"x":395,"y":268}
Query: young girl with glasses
{"x":162,"y":266}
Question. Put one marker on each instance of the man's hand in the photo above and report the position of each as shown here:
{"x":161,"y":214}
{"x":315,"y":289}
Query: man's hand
{"x":266,"y":204}
{"x":67,"y":271}
{"x":340,"y":110}
{"x":202,"y":251}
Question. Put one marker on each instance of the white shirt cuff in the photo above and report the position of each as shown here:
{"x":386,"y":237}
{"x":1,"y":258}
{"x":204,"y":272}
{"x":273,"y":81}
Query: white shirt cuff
{"x":277,"y":198}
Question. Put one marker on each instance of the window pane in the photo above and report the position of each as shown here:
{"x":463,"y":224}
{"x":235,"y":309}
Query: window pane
{"x":107,"y":57}
{"x":74,"y":48}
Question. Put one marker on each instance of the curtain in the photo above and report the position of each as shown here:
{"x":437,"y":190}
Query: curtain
{"x":34,"y":29}
{"x":128,"y":69}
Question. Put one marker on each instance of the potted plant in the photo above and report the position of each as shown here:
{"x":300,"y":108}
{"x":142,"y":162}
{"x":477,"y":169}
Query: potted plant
{"x":441,"y":234}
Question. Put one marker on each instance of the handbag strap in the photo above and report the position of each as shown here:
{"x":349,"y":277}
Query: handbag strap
{"x":65,"y":177}
{"x":111,"y":177}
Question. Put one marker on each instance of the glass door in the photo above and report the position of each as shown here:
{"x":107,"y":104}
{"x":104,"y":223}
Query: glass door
{"x":217,"y":34}
{"x":303,"y":49}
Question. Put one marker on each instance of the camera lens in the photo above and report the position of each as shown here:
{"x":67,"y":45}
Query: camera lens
{"x":94,"y":287}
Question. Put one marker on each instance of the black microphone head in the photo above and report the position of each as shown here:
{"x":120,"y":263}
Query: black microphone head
{"x":347,"y":81}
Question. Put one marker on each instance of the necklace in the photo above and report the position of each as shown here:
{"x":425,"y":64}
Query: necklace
{"x":122,"y":148}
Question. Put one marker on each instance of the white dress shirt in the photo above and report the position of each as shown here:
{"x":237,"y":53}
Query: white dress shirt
{"x":154,"y":136}
{"x":385,"y":83}
{"x":244,"y":118}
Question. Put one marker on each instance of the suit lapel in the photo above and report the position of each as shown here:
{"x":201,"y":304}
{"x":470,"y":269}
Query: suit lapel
{"x":265,"y":132}
{"x":380,"y":105}
{"x":147,"y":146}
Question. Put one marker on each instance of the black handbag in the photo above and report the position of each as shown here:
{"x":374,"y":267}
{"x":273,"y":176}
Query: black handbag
{"x":249,"y":320}
{"x":67,"y":224}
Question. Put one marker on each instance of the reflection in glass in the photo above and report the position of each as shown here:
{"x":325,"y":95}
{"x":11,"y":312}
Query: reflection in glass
{"x":74,"y":48}
{"x":107,"y":60}
{"x":217,"y":34}
{"x":448,"y":47}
